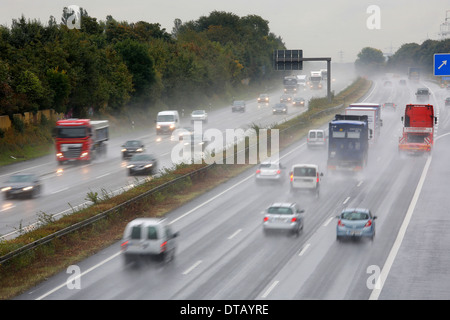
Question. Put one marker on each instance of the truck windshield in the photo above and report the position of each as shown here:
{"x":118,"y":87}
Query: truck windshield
{"x":71,"y":132}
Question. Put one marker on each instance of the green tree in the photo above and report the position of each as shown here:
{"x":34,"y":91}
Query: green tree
{"x":370,"y":60}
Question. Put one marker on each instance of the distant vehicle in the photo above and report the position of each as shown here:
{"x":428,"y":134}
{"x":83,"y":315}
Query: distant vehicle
{"x":291,"y":84}
{"x":270,"y":171}
{"x":80,"y":139}
{"x":132,"y":147}
{"x":355,"y":222}
{"x":418,"y":129}
{"x":263,"y":98}
{"x":324,"y":74}
{"x":305,"y":177}
{"x":286,"y":98}
{"x":144,"y":237}
{"x":22,"y":185}
{"x":423,"y":94}
{"x":280,"y":108}
{"x":199,"y":115}
{"x":373,"y":113}
{"x":301,"y":80}
{"x":298,"y":101}
{"x":142,"y":164}
{"x":447,"y":101}
{"x":167,"y":122}
{"x":348,"y":143}
{"x":414,"y":73}
{"x":316,"y":138}
{"x":315,"y":80}
{"x":238,"y":105}
{"x":388,"y":83}
{"x":284,"y":217}
{"x":402,"y":82}
{"x":389,"y":106}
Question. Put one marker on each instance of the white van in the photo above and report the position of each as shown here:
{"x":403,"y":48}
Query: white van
{"x":305,"y":177}
{"x":316,"y":138}
{"x":167,"y":122}
{"x":148,"y":237}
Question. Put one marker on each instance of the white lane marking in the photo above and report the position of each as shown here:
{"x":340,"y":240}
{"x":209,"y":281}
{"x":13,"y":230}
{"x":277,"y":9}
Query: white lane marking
{"x":328,"y":221}
{"x":270,"y":289}
{"x":304,"y":249}
{"x":195,"y":265}
{"x":234,"y":234}
{"x":60,"y":190}
{"x":360,"y":183}
{"x":7,"y":208}
{"x":103,"y":175}
{"x":346,"y":200}
{"x":79,"y":276}
{"x":401,"y":234}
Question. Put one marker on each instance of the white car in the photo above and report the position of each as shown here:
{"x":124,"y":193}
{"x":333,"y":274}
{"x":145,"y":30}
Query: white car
{"x":305,"y":177}
{"x":199,"y":115}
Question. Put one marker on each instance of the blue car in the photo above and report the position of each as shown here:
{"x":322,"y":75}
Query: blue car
{"x":355,"y":223}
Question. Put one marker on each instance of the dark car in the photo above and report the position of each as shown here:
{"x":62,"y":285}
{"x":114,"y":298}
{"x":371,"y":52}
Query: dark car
{"x":280,"y":108}
{"x":298,"y":101}
{"x":22,"y":185}
{"x":286,"y":98}
{"x":447,"y":101}
{"x":132,"y":147}
{"x":238,"y":105}
{"x":142,"y":164}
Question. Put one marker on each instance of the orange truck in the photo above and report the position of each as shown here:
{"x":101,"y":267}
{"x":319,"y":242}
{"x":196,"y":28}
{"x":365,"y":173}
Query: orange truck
{"x":418,"y":129}
{"x":80,"y":139}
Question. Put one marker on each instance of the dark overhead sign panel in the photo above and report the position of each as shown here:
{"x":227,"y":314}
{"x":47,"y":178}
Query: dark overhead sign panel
{"x":288,"y":59}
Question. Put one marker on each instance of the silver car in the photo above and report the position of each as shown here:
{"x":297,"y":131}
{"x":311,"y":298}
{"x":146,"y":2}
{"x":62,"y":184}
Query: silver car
{"x":355,"y":223}
{"x":270,"y":171}
{"x":284,"y":217}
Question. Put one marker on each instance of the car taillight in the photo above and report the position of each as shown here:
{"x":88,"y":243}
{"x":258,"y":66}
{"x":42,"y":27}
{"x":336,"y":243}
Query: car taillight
{"x":368,"y":224}
{"x":317,"y":177}
{"x":293,"y":219}
{"x":258,"y":171}
{"x":292,"y":176}
{"x":124,"y":245}
{"x":278,"y":171}
{"x":163,"y":246}
{"x":266,"y":218}
{"x":340,"y":224}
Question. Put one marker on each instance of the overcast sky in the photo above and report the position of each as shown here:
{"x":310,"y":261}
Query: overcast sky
{"x":327,"y":28}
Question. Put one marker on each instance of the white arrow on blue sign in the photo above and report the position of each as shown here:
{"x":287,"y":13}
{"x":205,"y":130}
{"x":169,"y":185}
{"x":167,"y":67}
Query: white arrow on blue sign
{"x":442,"y":64}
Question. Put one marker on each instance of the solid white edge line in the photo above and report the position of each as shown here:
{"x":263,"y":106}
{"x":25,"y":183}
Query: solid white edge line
{"x":270,"y":289}
{"x":79,"y":276}
{"x":401,"y":234}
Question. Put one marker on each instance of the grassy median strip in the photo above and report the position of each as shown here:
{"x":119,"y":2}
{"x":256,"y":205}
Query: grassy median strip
{"x":32,"y":267}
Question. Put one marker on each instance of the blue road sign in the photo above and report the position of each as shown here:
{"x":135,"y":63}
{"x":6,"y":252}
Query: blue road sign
{"x":442,"y":64}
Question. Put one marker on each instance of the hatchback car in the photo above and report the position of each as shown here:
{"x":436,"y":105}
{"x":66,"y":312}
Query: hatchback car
{"x":148,"y":237}
{"x":316,"y":138}
{"x":286,"y":98}
{"x":389,"y":106}
{"x":447,"y":101}
{"x":279,"y":108}
{"x":269,"y":171}
{"x":132,"y":147}
{"x":199,"y":115}
{"x":22,"y":185}
{"x":298,"y":101}
{"x":263,"y":98}
{"x":142,"y":164}
{"x":238,"y":105}
{"x":284,"y":217}
{"x":355,"y":222}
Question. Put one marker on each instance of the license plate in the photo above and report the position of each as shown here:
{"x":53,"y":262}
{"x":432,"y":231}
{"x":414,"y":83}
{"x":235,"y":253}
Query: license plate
{"x":354,"y":233}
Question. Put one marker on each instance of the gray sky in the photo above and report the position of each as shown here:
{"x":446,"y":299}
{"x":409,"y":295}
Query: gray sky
{"x":320,"y":27}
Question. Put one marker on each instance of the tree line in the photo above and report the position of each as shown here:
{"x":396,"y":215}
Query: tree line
{"x":109,"y":66}
{"x":370,"y":60}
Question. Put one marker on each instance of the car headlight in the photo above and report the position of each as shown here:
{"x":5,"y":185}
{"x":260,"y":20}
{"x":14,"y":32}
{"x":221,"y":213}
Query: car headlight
{"x":123,"y":150}
{"x":158,"y":127}
{"x":148,"y":165}
{"x":130,"y":166}
{"x":6,"y":189}
{"x":172,"y":126}
{"x":84,"y":154}
{"x":59,"y":155}
{"x":139,"y":150}
{"x":27,"y":188}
